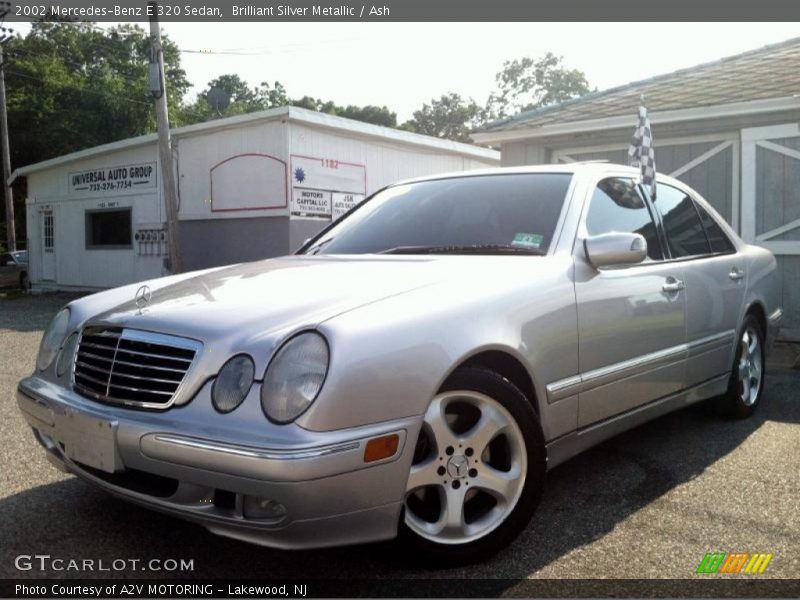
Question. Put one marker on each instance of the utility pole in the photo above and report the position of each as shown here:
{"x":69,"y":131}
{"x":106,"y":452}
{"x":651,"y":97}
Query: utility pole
{"x":11,"y":234}
{"x":158,"y":88}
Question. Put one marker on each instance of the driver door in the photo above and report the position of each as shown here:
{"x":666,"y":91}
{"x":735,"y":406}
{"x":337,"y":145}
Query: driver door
{"x":631,"y":318}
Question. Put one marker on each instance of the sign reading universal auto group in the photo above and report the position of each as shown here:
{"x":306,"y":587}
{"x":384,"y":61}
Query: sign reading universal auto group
{"x":112,"y":180}
{"x":325,"y":188}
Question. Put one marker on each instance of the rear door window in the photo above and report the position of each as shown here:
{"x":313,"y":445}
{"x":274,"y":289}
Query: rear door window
{"x":720,"y":243}
{"x":685,"y":233}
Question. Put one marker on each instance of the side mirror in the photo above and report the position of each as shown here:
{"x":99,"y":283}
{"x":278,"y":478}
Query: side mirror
{"x":612,"y":249}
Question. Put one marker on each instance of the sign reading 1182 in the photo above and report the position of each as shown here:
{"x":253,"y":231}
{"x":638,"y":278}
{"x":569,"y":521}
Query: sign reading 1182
{"x":122,"y":178}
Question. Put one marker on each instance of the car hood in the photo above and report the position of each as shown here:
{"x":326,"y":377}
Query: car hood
{"x":256,"y":299}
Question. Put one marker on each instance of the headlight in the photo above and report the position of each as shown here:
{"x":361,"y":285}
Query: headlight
{"x":232,"y":384}
{"x":51,"y":341}
{"x":294,"y":377}
{"x":64,"y":361}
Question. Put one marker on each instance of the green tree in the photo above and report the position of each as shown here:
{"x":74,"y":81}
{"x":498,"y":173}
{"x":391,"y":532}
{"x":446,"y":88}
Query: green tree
{"x":75,"y":85}
{"x":527,"y":83}
{"x":242,"y":98}
{"x":450,"y":116}
{"x":377,"y":115}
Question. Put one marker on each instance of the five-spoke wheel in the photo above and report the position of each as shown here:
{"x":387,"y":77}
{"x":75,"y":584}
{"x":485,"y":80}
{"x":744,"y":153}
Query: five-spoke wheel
{"x":469,"y":471}
{"x":747,"y":376}
{"x":750,"y":366}
{"x":478,"y":469}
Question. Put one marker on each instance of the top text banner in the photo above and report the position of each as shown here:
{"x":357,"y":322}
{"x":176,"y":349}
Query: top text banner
{"x":216,"y":11}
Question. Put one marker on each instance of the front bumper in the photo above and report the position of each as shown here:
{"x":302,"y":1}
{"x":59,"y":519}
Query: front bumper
{"x":199,"y":465}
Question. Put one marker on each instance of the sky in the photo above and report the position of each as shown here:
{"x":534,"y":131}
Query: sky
{"x":403,"y":65}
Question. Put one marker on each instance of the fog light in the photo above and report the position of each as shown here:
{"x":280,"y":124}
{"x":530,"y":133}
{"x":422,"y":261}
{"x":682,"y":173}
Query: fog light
{"x":256,"y":507}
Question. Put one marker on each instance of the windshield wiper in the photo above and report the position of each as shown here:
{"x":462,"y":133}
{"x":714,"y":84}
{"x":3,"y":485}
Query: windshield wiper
{"x":318,"y":246}
{"x":467,"y":249}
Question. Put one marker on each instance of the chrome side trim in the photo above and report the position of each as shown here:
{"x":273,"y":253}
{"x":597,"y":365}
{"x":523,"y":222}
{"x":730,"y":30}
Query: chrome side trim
{"x":562,"y":384}
{"x":712,"y":342}
{"x":575,"y":442}
{"x":582,"y":382}
{"x":776,"y":315}
{"x":261,"y":453}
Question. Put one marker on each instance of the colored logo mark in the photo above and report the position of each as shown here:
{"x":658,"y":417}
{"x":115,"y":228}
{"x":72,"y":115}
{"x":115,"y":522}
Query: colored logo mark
{"x":736,"y":562}
{"x":300,"y":174}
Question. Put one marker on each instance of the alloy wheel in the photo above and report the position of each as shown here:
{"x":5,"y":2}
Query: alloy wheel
{"x":750,"y":367}
{"x":468,"y":471}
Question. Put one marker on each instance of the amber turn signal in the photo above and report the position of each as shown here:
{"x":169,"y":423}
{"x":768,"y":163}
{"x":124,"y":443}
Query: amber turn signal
{"x":381,"y":447}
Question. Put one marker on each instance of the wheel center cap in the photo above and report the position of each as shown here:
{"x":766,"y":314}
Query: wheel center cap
{"x":458,"y":466}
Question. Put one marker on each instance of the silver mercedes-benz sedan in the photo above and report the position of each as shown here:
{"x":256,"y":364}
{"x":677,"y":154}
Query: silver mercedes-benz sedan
{"x":416,"y":368}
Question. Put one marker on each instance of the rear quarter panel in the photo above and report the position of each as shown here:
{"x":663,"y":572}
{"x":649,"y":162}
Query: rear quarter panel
{"x":763,"y":286}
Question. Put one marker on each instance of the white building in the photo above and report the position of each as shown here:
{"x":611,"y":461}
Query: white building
{"x":249,"y":187}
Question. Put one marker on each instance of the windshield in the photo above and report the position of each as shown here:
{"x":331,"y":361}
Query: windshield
{"x":485,"y":214}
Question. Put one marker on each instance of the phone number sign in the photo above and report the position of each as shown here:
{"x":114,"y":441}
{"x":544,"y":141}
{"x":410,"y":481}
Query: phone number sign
{"x":123,"y":178}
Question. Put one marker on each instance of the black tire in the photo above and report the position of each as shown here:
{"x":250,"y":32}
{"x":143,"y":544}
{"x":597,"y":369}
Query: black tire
{"x":429,"y":553}
{"x":24,"y":282}
{"x":731,"y":403}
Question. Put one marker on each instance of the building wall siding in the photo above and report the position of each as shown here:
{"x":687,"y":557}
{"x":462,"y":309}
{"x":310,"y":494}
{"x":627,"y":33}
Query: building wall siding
{"x":217,"y":242}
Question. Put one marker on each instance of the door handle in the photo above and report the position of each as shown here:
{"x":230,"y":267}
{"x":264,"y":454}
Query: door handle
{"x":736,"y":274}
{"x":673,"y":285}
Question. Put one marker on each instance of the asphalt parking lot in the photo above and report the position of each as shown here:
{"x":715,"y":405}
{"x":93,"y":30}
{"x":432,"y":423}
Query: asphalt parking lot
{"x":647,"y":504}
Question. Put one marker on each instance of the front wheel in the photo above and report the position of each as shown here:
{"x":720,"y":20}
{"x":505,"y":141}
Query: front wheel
{"x":478,"y":470}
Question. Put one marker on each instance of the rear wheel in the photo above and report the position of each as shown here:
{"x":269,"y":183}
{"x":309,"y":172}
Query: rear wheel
{"x":478,"y":470}
{"x":24,"y":283}
{"x":747,"y":375}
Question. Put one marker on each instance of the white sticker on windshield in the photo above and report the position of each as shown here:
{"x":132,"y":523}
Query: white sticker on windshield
{"x":528,"y":240}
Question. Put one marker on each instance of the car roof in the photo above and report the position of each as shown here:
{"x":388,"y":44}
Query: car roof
{"x":594,"y":166}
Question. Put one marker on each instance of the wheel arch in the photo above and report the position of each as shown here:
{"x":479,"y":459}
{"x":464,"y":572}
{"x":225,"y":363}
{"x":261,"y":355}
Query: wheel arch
{"x":756,"y":308}
{"x":507,"y":366}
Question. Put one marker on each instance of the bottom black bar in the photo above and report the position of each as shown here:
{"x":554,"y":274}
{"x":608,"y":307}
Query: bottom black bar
{"x":705,"y":586}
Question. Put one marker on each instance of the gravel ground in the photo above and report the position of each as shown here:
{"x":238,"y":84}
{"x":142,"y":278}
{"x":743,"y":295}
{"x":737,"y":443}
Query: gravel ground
{"x":647,"y":504}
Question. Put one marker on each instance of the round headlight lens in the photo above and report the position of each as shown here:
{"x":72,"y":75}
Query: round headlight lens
{"x":232,"y":384}
{"x":294,"y":377}
{"x":51,"y":341}
{"x":64,"y":361}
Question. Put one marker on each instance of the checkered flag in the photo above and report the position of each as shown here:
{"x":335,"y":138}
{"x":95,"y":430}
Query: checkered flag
{"x":641,"y":152}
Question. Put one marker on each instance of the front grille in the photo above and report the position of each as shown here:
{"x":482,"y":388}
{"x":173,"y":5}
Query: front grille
{"x":128,"y":366}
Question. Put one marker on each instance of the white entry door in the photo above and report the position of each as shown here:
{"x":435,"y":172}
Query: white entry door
{"x":771,"y":187}
{"x":48,"y":246}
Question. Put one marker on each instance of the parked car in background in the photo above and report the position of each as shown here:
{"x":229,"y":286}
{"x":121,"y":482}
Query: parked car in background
{"x":415,"y":368}
{"x":14,"y":269}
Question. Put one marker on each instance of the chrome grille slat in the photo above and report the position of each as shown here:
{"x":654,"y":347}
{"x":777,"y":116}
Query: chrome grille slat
{"x":130,"y":364}
{"x":133,"y":389}
{"x":132,"y":367}
{"x":92,"y":379}
{"x":105,"y":372}
{"x":151,"y":355}
{"x":140,"y":378}
{"x":95,"y":356}
{"x":98,"y":346}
